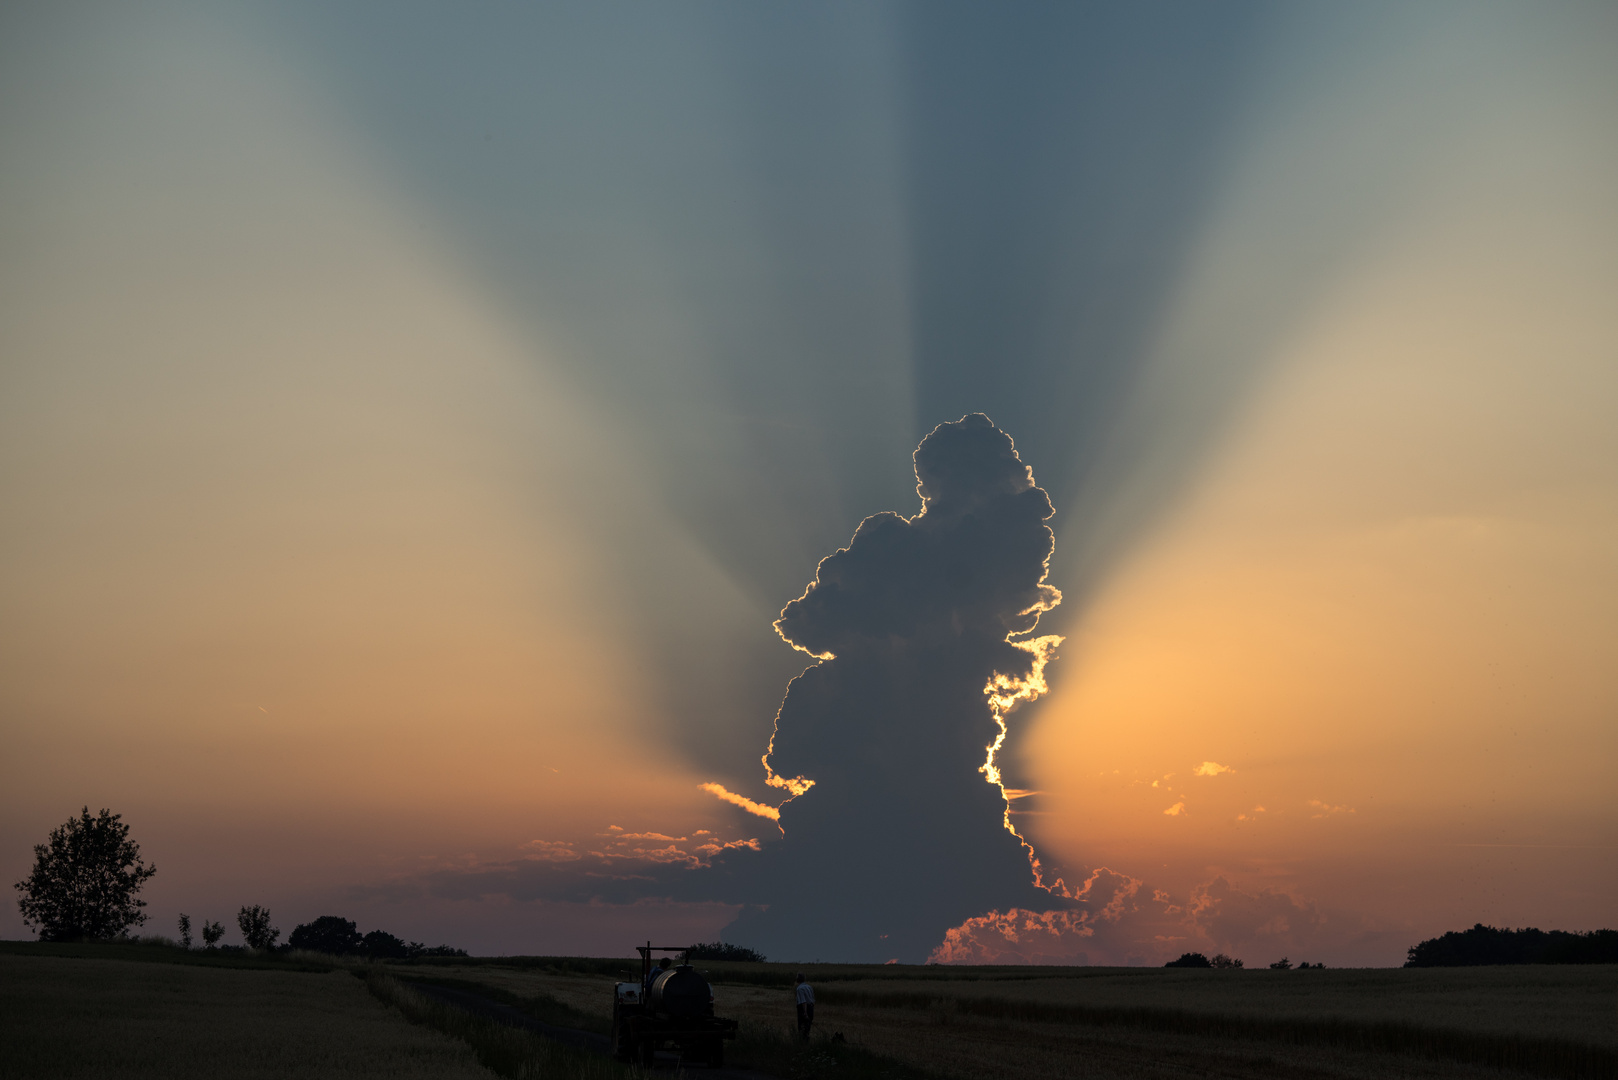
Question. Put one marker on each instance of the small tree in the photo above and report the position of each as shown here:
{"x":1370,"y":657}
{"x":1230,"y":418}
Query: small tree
{"x":256,"y":928}
{"x":211,"y":933}
{"x":1283,"y":964}
{"x":185,"y":931}
{"x":84,"y":881}
{"x":1223,"y":961}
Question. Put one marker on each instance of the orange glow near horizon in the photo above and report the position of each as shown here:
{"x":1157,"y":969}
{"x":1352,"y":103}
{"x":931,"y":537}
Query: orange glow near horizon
{"x":1384,"y":621}
{"x":1357,"y":680}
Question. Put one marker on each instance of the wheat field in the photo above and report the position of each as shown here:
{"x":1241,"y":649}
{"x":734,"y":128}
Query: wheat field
{"x":1100,"y":1022}
{"x":126,"y":1020}
{"x":1571,"y":1002}
{"x":181,"y":1015}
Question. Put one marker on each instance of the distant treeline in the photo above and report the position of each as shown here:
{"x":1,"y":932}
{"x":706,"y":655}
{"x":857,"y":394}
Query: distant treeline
{"x":1489,"y":945}
{"x":340,"y":937}
{"x":721,"y":950}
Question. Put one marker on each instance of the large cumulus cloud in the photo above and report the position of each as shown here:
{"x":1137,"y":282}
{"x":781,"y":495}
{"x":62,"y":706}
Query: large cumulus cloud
{"x":898,"y":828}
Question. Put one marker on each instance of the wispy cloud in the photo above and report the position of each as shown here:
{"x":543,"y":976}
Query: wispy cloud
{"x":550,"y":851}
{"x":1211,"y":768}
{"x":763,"y":810}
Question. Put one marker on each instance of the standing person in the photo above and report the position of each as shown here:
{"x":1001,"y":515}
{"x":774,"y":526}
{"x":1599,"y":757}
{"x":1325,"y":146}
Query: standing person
{"x":806,"y":1006}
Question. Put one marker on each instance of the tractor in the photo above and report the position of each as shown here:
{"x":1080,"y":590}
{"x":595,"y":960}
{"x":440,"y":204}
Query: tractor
{"x":671,"y":1007}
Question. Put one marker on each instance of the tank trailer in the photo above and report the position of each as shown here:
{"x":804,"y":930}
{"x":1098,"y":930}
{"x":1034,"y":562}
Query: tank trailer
{"x":671,"y":1008}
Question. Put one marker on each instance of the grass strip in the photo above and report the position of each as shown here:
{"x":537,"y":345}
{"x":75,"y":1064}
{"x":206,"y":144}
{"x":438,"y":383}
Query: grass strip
{"x":552,"y":965}
{"x":541,"y":1006}
{"x":782,"y":1053}
{"x":158,"y":953}
{"x":506,"y":1051}
{"x":1561,"y":1058}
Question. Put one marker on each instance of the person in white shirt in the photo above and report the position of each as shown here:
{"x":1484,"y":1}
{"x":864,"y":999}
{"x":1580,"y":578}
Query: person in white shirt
{"x":806,"y":1006}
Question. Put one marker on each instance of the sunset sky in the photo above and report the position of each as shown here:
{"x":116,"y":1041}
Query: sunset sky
{"x":414,"y":418}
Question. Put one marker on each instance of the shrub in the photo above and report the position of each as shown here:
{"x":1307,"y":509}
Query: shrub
{"x":1223,"y":961}
{"x":416,"y":948}
{"x":1190,"y":960}
{"x":211,"y":933}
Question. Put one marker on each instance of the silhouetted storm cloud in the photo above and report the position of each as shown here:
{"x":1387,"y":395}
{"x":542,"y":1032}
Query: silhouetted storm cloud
{"x":897,"y":826}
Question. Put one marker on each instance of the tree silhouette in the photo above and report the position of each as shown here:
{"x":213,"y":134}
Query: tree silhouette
{"x":1190,"y":960}
{"x":327,"y":934}
{"x":381,"y":945}
{"x":1493,"y":945}
{"x":84,"y":881}
{"x":723,"y":950}
{"x":212,"y":932}
{"x":256,"y":929}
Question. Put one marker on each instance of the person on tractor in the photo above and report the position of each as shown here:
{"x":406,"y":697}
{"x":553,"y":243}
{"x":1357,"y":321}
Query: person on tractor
{"x":658,"y":969}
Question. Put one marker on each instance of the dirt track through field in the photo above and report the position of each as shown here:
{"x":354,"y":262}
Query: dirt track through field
{"x":584,"y":1040}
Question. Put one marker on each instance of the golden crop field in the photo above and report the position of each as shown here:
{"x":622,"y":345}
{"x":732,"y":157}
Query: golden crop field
{"x":72,"y":1012}
{"x":100,"y":1019}
{"x":1573,"y":1002}
{"x":1139,"y":1022}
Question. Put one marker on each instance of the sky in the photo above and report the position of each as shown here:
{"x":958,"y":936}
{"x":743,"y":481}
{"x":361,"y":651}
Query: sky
{"x":415,"y":420}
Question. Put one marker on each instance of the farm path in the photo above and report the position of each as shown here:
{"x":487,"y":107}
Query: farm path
{"x":586,"y":1040}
